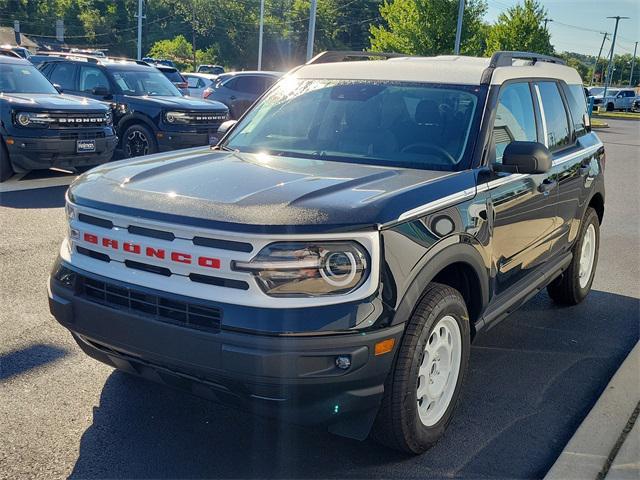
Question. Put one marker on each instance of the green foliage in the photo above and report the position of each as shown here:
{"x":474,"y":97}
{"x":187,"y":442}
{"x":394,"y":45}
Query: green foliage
{"x":520,"y":28}
{"x":178,"y":50}
{"x":428,"y":27}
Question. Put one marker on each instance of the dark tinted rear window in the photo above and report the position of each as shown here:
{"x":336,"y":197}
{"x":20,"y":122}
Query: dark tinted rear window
{"x":173,"y":75}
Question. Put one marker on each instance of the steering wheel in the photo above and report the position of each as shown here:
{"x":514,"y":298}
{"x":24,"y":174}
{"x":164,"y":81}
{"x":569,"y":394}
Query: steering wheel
{"x":428,"y":147}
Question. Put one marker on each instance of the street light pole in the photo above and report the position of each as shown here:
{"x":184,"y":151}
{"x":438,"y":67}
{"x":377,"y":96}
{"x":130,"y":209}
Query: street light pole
{"x":613,"y":46}
{"x":459,"y":28}
{"x":547,"y":20}
{"x":260,"y":35}
{"x":140,"y":29}
{"x":633,"y":64}
{"x":312,"y":28}
{"x":595,"y":67}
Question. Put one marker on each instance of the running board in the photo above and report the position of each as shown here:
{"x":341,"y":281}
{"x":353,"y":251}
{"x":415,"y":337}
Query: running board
{"x":516,"y":296}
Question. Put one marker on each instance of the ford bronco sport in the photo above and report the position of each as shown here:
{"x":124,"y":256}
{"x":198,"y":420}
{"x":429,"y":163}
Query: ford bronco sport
{"x":331,"y":259}
{"x":40,"y":128}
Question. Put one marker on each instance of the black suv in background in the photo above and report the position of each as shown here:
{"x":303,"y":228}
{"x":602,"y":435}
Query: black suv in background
{"x":40,"y":128}
{"x":150,"y":114}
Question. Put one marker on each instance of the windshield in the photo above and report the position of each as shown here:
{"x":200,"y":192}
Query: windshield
{"x":23,"y":79}
{"x":388,"y":123}
{"x":145,"y":82}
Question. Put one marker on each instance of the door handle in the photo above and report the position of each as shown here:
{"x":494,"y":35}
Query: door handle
{"x":547,"y":185}
{"x":232,"y":97}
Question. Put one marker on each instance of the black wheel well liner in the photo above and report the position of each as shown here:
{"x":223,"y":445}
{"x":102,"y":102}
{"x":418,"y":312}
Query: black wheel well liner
{"x":597,"y":203}
{"x":459,"y":266}
{"x":132,"y":119}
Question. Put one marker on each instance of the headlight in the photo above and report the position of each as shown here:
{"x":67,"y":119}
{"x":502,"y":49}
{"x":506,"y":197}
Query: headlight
{"x":108,"y":118}
{"x":308,"y":269}
{"x":71,"y":212}
{"x":32,"y":119}
{"x":176,"y":117}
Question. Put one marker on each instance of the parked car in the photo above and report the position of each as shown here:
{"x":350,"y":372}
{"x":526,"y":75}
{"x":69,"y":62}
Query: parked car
{"x":174,"y":77}
{"x":40,"y":128}
{"x":616,"y":99}
{"x":593,"y":91}
{"x":331,"y":260}
{"x":636,"y":105}
{"x":21,"y":51}
{"x":211,"y":69}
{"x":150,"y":114}
{"x":197,"y":83}
{"x":38,"y":59}
{"x":239,"y":90}
{"x":159,"y":61}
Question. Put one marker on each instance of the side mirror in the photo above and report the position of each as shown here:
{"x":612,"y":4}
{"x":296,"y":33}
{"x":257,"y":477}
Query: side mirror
{"x":100,"y":91}
{"x":525,"y":157}
{"x":57,"y":87}
{"x":225,"y":127}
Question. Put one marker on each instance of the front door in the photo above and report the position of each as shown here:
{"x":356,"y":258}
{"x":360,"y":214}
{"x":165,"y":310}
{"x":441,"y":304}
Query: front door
{"x":523,"y":207}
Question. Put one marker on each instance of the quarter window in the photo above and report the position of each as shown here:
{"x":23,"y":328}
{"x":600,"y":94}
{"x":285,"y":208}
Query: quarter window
{"x":515,"y":118}
{"x":578,"y":107}
{"x":555,"y":116}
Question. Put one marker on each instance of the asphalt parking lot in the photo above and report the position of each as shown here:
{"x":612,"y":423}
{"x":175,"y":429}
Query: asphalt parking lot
{"x":532,"y":379}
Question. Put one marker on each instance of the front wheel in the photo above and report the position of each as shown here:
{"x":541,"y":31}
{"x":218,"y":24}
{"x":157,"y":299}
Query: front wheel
{"x":574,"y":284}
{"x":423,"y":388}
{"x":6,"y":171}
{"x":137,"y":141}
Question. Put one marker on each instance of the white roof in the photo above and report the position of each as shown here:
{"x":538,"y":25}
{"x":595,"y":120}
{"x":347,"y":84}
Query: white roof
{"x":441,"y":69}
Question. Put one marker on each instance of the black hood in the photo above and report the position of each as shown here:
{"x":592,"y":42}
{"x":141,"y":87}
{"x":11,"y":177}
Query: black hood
{"x":54,"y":102}
{"x":257,"y":192}
{"x":179,"y":103}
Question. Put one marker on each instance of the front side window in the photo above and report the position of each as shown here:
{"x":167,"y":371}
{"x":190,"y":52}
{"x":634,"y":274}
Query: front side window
{"x":63,"y":75}
{"x":402,"y":124}
{"x":23,"y":79}
{"x":92,"y":77}
{"x":558,"y":133}
{"x":145,"y":82}
{"x":578,"y":107}
{"x":515,"y":118}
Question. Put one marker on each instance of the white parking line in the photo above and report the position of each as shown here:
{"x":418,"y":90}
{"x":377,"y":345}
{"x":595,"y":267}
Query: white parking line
{"x":16,"y":184}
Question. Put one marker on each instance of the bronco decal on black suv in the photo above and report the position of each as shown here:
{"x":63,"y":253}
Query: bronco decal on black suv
{"x":331,"y":259}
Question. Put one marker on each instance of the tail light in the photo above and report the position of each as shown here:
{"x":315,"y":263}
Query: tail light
{"x":207,"y":91}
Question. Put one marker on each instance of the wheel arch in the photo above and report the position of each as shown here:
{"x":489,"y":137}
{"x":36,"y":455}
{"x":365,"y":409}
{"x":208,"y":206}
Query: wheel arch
{"x":133,"y":119}
{"x":597,"y":203}
{"x":459,"y":266}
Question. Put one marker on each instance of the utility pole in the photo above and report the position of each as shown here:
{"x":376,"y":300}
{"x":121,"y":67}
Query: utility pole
{"x":633,"y":64}
{"x":140,"y":29}
{"x":193,"y":33}
{"x":613,"y":46}
{"x":547,"y":20}
{"x":312,"y":28}
{"x":459,"y":28}
{"x":595,"y":67}
{"x":260,"y":35}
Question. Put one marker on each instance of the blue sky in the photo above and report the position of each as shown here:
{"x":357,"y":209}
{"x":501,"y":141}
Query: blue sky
{"x":577,"y":23}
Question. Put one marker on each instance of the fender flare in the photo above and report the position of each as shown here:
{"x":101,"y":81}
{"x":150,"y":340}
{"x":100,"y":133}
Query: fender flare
{"x":433,"y":263}
{"x":136,"y":118}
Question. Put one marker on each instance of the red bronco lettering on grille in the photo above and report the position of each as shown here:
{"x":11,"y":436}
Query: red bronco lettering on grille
{"x":151,"y":252}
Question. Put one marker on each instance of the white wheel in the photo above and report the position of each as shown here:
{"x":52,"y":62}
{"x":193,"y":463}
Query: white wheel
{"x":587,"y":256}
{"x":439,"y":370}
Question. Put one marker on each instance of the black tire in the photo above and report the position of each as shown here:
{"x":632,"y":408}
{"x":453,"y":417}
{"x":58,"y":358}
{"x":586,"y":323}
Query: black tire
{"x":398,"y":424}
{"x":610,"y":107}
{"x":138,"y":140}
{"x":6,"y":170}
{"x":567,"y":288}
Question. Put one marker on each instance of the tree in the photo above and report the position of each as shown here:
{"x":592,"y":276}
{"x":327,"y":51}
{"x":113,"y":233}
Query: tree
{"x":179,"y":50}
{"x":521,"y":28}
{"x":428,"y":27}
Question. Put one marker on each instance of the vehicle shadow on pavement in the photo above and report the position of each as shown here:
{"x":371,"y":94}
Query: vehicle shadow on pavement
{"x":532,"y":380}
{"x":48,"y":197}
{"x":34,"y":356}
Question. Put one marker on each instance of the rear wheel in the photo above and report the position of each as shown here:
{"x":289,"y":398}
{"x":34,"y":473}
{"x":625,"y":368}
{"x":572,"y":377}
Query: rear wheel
{"x":6,"y":170}
{"x":138,"y":140}
{"x":423,"y":388}
{"x":574,"y":284}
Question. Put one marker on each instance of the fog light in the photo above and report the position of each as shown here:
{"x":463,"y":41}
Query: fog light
{"x":343,"y":362}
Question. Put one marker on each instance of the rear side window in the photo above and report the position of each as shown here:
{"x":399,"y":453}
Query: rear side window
{"x":555,"y":115}
{"x":92,"y":77}
{"x":578,"y":107}
{"x":249,"y":84}
{"x":193,"y":82}
{"x":515,"y":118}
{"x":64,"y":75}
{"x":173,"y":75}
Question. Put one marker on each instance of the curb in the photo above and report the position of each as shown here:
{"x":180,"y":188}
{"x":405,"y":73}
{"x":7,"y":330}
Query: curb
{"x":594,"y":445}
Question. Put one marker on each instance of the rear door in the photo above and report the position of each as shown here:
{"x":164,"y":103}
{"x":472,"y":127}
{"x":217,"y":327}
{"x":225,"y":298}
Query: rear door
{"x":524,"y":207}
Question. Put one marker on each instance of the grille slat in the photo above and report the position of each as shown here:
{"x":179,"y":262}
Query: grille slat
{"x":160,"y":308}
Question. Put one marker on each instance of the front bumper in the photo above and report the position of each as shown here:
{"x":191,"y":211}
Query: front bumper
{"x":294,"y":378}
{"x":27,"y":153}
{"x":176,"y":140}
